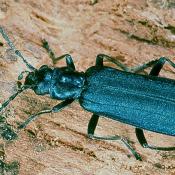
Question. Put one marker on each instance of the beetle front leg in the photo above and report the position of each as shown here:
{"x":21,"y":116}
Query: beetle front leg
{"x":56,"y":108}
{"x":69,"y":60}
{"x":91,"y":129}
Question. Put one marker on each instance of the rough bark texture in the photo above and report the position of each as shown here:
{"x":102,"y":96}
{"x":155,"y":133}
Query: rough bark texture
{"x":56,"y":144}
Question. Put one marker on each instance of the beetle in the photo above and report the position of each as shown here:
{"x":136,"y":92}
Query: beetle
{"x":143,"y":101}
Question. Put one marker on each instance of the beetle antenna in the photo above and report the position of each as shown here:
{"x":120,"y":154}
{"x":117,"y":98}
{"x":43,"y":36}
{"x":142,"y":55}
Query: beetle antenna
{"x":20,"y":76}
{"x":17,"y":52}
{"x":12,"y":97}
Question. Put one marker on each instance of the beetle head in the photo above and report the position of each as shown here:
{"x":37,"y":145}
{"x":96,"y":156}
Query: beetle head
{"x":37,"y":76}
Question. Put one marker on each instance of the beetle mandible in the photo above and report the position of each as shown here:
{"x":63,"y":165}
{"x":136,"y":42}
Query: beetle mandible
{"x":144,"y":101}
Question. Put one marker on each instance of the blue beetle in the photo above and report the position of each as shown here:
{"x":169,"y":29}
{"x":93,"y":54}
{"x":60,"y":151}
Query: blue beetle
{"x":144,"y":101}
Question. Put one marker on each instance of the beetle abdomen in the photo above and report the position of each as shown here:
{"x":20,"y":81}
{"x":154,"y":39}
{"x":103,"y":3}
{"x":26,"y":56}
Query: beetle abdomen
{"x":143,"y":101}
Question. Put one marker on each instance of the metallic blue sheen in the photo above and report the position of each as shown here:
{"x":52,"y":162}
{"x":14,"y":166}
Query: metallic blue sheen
{"x":147,"y":102}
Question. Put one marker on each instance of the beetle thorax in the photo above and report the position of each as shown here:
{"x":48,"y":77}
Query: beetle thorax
{"x":66,"y":84}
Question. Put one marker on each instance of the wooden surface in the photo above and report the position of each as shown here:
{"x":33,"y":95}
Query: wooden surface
{"x":57,"y":144}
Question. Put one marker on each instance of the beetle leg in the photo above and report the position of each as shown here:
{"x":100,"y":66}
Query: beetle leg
{"x":142,"y":140}
{"x":56,"y":108}
{"x":157,"y":65}
{"x":91,"y":129}
{"x":69,"y":61}
{"x":100,"y":59}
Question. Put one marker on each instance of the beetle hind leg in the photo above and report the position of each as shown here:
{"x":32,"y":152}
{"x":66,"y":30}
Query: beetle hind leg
{"x":91,"y":129}
{"x":142,"y":140}
{"x":157,"y":66}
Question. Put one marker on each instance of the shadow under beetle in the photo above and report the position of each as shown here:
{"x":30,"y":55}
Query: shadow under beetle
{"x":144,"y":101}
